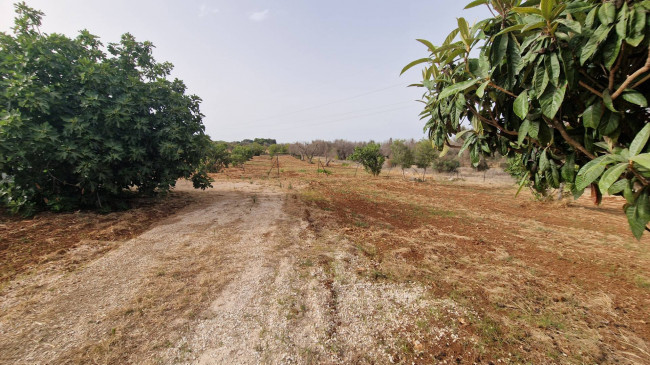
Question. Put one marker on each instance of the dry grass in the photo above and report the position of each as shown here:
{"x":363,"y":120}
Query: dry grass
{"x":535,"y":282}
{"x":362,"y":270}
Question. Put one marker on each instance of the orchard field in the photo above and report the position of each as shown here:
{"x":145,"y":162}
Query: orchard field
{"x":289,"y":265}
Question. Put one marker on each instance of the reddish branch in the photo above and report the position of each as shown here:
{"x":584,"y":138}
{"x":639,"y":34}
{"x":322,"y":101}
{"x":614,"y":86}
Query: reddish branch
{"x":590,"y":88}
{"x":632,"y":77}
{"x":558,"y":125}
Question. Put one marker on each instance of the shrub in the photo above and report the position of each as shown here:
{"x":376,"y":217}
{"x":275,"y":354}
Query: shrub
{"x":217,"y":157}
{"x":240,"y":154}
{"x":446,"y":165}
{"x":278,"y":149}
{"x":370,"y":157}
{"x":79,"y":127}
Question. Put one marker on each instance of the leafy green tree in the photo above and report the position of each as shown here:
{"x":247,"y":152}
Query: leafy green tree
{"x":217,"y":156}
{"x":401,"y":155}
{"x":423,"y":155}
{"x":278,"y":149}
{"x":257,"y":149}
{"x":240,"y":154}
{"x":370,"y":157}
{"x":79,"y":127}
{"x":563,"y":83}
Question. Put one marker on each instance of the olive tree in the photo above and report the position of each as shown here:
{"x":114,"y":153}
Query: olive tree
{"x":401,"y":155}
{"x":80,"y":127}
{"x":560,"y":84}
{"x":423,"y":155}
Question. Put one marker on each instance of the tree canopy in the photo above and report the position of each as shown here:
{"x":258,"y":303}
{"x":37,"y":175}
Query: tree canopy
{"x":560,"y":84}
{"x":79,"y":125}
{"x":370,"y":157}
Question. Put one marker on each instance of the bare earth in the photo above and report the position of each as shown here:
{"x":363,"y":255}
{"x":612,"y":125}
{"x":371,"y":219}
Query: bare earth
{"x":336,"y":270}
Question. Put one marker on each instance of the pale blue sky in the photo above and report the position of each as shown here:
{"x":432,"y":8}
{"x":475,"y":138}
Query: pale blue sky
{"x":291,"y":70}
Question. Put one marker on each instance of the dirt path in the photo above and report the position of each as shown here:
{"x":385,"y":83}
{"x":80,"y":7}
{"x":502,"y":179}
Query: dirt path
{"x":67,"y":313}
{"x":248,"y":277}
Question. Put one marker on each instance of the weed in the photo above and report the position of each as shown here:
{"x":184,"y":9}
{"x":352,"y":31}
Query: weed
{"x":361,"y":224}
{"x":490,"y":330}
{"x":376,"y":275}
{"x":369,"y":251}
{"x":290,"y":186}
{"x":441,"y":213}
{"x":642,"y":282}
{"x":254,"y":198}
{"x":547,"y":321}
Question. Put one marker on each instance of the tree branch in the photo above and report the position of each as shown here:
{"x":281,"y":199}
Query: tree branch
{"x":590,"y":88}
{"x":558,"y":125}
{"x":612,"y":72}
{"x":641,"y":81}
{"x":491,"y":122}
{"x":631,"y":78}
{"x":502,"y":89}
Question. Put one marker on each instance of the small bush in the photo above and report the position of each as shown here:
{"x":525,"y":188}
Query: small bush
{"x":446,"y":165}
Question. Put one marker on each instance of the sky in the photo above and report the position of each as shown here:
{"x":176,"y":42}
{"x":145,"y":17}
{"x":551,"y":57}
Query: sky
{"x":285,"y":69}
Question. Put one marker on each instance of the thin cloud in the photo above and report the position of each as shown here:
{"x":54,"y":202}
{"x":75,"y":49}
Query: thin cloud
{"x":259,"y":16}
{"x":205,"y":10}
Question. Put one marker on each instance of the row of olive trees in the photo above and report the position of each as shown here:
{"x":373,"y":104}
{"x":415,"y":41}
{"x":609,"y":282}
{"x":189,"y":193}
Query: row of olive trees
{"x":338,"y":149}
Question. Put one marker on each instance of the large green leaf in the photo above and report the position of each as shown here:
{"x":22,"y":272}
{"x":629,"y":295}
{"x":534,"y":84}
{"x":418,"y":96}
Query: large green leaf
{"x":521,"y":105}
{"x":456,"y":88}
{"x":569,"y":168}
{"x":540,"y":80}
{"x":553,"y":68}
{"x":594,"y":41}
{"x":610,"y":176}
{"x":607,"y":13}
{"x":637,"y":224}
{"x":573,"y":25}
{"x":499,"y":49}
{"x":640,"y":140}
{"x":591,"y":116}
{"x":475,"y":3}
{"x":642,"y":159}
{"x":429,"y":45}
{"x":617,"y":187}
{"x":552,"y":99}
{"x":481,"y":89}
{"x":523,"y":131}
{"x":635,"y":97}
{"x":609,"y":123}
{"x":607,"y":100}
{"x":464,"y":31}
{"x":546,"y":7}
{"x":527,"y":10}
{"x":416,"y":62}
{"x":543,"y":162}
{"x":590,"y":172}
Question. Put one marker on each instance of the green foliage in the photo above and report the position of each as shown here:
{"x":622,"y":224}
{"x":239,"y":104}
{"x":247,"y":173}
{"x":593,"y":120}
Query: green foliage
{"x":79,"y":126}
{"x":446,"y":165}
{"x":240,"y":154}
{"x":278,"y":149}
{"x":562,"y":83}
{"x":257,"y":149}
{"x":370,"y":157}
{"x":217,"y":157}
{"x":423,"y":155}
{"x":401,"y":154}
